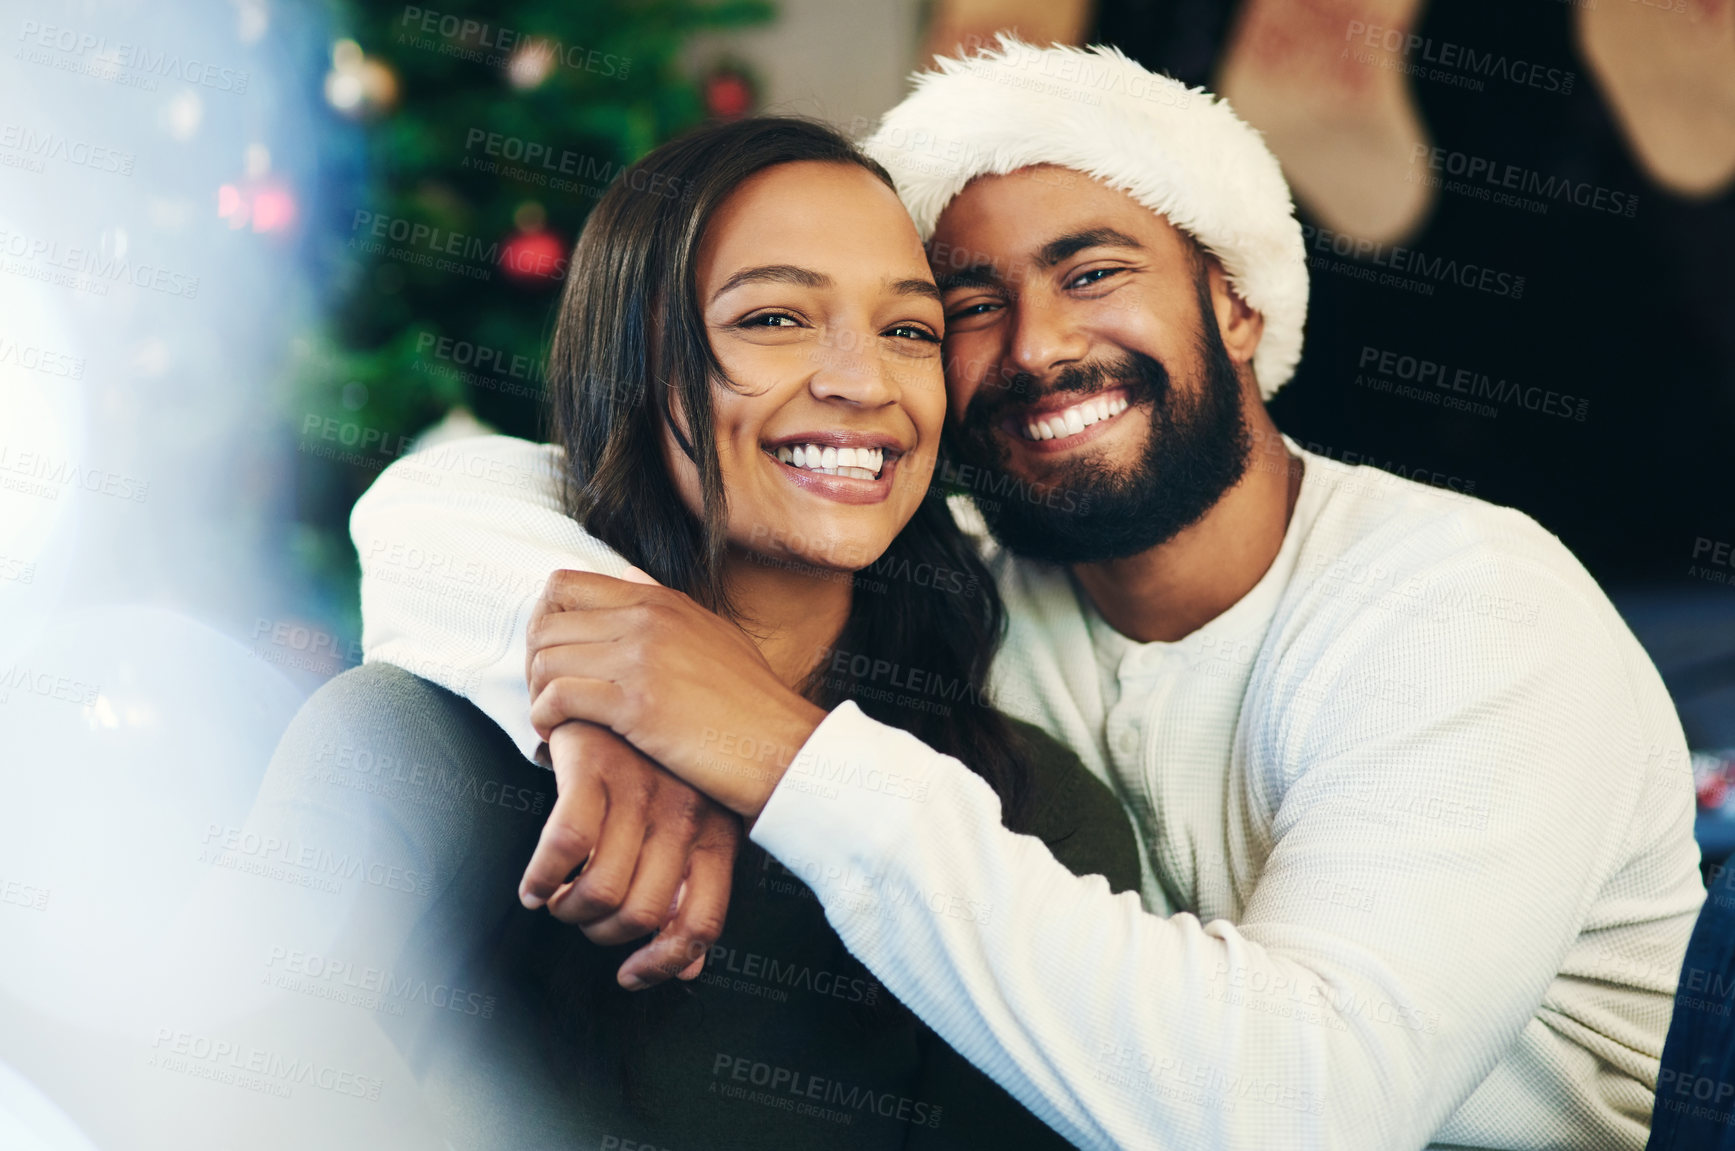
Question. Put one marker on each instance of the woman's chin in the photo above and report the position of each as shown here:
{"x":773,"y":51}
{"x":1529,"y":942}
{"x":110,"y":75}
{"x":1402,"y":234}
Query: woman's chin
{"x":841,"y":563}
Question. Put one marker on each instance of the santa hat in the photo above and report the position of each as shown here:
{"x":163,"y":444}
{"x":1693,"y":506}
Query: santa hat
{"x":1179,"y":151}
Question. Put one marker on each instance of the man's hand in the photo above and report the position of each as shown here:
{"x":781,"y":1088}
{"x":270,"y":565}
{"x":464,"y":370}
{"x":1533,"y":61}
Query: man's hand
{"x":660,"y":855}
{"x":681,"y":684}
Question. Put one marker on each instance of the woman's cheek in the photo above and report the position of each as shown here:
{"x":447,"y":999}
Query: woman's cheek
{"x":916,"y":469}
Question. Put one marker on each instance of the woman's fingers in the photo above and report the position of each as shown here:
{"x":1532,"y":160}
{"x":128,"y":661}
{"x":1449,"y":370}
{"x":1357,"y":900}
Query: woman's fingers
{"x":650,"y":900}
{"x":607,"y":879}
{"x":681,"y":947}
{"x":570,"y":833}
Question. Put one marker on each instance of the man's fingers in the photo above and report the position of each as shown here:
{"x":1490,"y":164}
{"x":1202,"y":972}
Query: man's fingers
{"x":681,"y":947}
{"x":650,"y":900}
{"x":572,"y":590}
{"x":570,"y":697}
{"x":567,"y":590}
{"x":573,"y":645}
{"x":567,"y":838}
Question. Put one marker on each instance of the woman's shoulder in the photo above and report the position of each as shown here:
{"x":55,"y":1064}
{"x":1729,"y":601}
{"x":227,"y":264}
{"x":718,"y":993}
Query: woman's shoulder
{"x":1076,"y":814}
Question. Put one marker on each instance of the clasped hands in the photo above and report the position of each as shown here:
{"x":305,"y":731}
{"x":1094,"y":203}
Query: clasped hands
{"x":665,"y":728}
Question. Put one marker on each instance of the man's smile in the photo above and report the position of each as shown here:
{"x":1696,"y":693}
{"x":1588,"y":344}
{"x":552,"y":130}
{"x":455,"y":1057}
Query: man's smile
{"x":1062,"y":421}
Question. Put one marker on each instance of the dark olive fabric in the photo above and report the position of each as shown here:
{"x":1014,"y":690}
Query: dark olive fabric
{"x":785,"y":1041}
{"x":788,"y":1041}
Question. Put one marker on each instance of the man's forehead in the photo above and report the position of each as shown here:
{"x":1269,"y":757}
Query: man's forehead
{"x":1044,"y":201}
{"x":1001,"y":241}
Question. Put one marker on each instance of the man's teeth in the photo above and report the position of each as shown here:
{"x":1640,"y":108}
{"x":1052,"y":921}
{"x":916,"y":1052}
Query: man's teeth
{"x":1075,"y":419}
{"x":857,"y":463}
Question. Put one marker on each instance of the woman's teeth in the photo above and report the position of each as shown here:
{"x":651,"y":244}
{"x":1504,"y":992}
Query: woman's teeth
{"x":1075,"y":419}
{"x":857,"y":463}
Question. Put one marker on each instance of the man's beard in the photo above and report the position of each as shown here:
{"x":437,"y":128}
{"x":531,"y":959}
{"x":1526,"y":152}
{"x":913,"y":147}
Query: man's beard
{"x":1085,"y":512}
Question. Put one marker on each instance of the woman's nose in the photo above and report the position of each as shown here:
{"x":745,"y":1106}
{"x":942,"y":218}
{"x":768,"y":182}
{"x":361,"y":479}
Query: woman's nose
{"x":850,"y":365}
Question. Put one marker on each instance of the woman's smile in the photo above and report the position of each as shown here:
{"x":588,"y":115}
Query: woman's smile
{"x":848,"y":467}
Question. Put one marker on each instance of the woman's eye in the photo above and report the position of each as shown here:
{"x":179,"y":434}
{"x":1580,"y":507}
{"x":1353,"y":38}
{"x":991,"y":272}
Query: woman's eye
{"x":913,"y":332}
{"x":1094,"y":276}
{"x":771,"y":320}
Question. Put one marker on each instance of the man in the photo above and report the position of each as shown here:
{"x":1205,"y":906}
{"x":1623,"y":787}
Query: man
{"x":1412,"y":795}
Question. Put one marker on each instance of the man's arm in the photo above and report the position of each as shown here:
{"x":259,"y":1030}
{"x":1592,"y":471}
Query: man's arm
{"x":456,"y":543}
{"x":1431,"y":867}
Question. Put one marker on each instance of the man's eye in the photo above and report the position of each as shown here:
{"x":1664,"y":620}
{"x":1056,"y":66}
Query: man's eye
{"x":913,"y":332}
{"x":1094,"y":276}
{"x":966,"y":312}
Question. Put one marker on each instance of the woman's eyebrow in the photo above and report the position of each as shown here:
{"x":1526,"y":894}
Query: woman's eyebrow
{"x":774,"y":274}
{"x":915,"y":287}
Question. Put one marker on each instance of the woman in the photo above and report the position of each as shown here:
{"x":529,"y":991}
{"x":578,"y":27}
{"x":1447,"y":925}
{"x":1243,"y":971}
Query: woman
{"x":748,"y":391}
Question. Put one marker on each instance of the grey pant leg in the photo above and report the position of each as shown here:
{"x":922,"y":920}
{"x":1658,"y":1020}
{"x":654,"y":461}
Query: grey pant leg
{"x":425,"y":814}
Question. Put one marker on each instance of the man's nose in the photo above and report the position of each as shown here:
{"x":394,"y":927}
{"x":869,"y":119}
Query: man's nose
{"x":1044,"y":338}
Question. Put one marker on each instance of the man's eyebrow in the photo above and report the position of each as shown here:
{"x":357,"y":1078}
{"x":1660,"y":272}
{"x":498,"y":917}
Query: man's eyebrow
{"x":774,"y":274}
{"x":975,"y":276}
{"x":1072,"y":243}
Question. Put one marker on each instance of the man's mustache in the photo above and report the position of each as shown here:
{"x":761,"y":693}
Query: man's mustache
{"x":1143,"y":378}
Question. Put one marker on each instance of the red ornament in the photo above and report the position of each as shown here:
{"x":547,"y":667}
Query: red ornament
{"x":1713,"y":792}
{"x":728,"y":95}
{"x":1713,"y":789}
{"x":531,"y":257}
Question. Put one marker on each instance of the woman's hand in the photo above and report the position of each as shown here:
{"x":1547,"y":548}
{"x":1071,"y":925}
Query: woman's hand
{"x":660,"y":855}
{"x":681,"y":684}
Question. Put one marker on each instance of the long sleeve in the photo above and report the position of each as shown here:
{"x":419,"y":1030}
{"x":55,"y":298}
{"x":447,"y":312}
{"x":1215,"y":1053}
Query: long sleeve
{"x":1429,"y":869}
{"x":456,"y":545}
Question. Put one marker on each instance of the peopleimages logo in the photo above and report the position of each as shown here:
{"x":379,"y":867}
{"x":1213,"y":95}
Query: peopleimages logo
{"x":374,"y":988}
{"x":33,"y":358}
{"x":253,"y":1068}
{"x":46,"y":684}
{"x":1380,"y":365}
{"x":44,"y":475}
{"x":788,"y":1088}
{"x":37,"y":147}
{"x":1481,"y":178}
{"x":1446,"y":61}
{"x":88,"y":269}
{"x":113,"y":57}
{"x":1413,"y":262}
{"x":770,"y":978}
{"x":542,"y":161}
{"x":483,"y":43}
{"x":428,"y":245}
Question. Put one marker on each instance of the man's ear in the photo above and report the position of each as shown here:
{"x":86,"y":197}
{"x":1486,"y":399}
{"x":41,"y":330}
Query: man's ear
{"x":1239,"y":325}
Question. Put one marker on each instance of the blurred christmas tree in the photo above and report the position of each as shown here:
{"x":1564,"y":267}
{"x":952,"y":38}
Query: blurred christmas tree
{"x":489,"y":134}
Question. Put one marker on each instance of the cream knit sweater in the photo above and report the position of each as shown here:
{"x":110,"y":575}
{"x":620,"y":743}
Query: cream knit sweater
{"x":1417,"y":811}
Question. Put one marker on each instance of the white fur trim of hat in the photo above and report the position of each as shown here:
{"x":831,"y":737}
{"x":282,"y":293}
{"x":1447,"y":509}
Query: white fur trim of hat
{"x":1179,"y":151}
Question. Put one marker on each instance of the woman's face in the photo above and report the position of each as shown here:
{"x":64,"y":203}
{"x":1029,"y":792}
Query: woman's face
{"x":820,"y":307}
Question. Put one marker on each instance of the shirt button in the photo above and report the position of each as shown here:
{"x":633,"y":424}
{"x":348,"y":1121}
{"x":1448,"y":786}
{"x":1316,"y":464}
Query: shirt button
{"x":1129,"y":741}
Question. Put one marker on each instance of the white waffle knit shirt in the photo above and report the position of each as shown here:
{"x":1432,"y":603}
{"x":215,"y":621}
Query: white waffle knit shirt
{"x":1418,"y":809}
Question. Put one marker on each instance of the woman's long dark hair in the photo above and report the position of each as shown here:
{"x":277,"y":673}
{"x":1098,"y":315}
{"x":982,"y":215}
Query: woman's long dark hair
{"x":630,"y":341}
